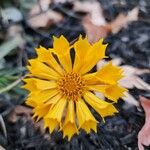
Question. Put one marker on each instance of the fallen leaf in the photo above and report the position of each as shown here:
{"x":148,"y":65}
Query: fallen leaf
{"x":20,"y":110}
{"x":14,"y":30}
{"x":41,"y":11}
{"x":117,"y":61}
{"x":144,"y":134}
{"x":94,"y":22}
{"x":45,"y":19}
{"x":95,"y":31}
{"x":42,"y":5}
{"x":2,"y":148}
{"x":93,"y":8}
{"x":130,"y":99}
{"x":62,"y":1}
{"x":122,"y":20}
{"x":132,"y":79}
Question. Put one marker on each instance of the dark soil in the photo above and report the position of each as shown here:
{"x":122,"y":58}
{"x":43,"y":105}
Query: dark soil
{"x":119,"y":132}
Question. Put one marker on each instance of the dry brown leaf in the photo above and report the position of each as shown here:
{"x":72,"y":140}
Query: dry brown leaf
{"x":41,"y":16}
{"x":122,"y":20}
{"x":62,"y":1}
{"x":94,"y":22}
{"x":42,"y":5}
{"x":2,"y":148}
{"x":130,"y":99}
{"x":14,"y":30}
{"x":144,"y":134}
{"x":20,"y":110}
{"x":95,"y":32}
{"x":117,"y":61}
{"x":27,"y":112}
{"x":45,"y":19}
{"x":131,"y":78}
{"x":93,"y":8}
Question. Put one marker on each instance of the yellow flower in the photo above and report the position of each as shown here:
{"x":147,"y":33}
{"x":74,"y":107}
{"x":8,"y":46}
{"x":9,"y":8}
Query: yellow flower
{"x":62,"y":88}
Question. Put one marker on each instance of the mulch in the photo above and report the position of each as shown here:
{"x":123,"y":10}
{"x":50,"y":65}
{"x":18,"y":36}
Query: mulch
{"x":118,"y":132}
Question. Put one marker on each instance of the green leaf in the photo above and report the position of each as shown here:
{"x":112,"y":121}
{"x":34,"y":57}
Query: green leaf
{"x":10,"y":86}
{"x":8,"y":46}
{"x":9,"y":72}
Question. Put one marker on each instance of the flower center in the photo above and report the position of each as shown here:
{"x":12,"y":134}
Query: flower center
{"x":71,"y":85}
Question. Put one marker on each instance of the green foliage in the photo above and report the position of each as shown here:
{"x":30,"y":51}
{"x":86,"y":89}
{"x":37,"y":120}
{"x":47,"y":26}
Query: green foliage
{"x":10,"y":79}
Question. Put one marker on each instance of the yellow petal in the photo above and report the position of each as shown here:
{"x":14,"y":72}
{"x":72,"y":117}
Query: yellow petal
{"x":44,"y":85}
{"x":109,"y":74}
{"x":114,"y":92}
{"x":61,"y":45}
{"x":102,"y":107}
{"x":89,"y":125}
{"x":33,"y":84}
{"x":90,"y":78}
{"x":40,"y":97}
{"x":53,"y":118}
{"x":98,"y":88}
{"x":51,"y":123}
{"x":81,"y":47}
{"x":31,"y":102}
{"x":62,"y":50}
{"x":41,"y":70}
{"x":54,"y":99}
{"x":46,"y":56}
{"x":41,"y":110}
{"x":96,"y":53}
{"x":29,"y":84}
{"x":69,"y":127}
{"x":85,"y":118}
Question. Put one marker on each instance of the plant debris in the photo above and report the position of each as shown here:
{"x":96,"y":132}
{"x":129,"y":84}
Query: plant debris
{"x":94,"y":31}
{"x":144,"y":135}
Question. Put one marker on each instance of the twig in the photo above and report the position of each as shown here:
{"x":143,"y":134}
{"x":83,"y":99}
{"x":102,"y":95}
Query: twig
{"x":3,"y":126}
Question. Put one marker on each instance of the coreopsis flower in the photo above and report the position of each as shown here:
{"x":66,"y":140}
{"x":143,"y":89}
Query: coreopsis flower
{"x":62,"y":88}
